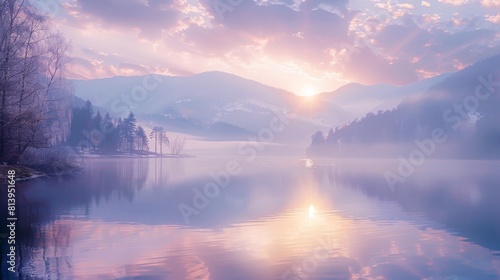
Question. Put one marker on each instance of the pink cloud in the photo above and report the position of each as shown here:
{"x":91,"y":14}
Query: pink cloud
{"x":313,"y":39}
{"x":491,"y":3}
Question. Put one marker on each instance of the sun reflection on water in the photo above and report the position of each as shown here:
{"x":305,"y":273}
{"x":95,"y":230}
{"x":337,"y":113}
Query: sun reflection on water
{"x":309,"y":163}
{"x":312,"y":211}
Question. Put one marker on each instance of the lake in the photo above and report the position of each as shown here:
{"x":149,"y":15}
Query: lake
{"x":265,"y":218}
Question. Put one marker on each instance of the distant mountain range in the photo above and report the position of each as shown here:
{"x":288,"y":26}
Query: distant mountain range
{"x":463,"y":107}
{"x":223,"y":106}
{"x":361,"y":99}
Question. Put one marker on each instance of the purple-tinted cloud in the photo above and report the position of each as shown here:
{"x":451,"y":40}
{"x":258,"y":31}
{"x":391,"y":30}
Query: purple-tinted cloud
{"x":289,"y":34}
{"x":149,"y":17}
{"x":369,"y":68}
{"x":331,"y":37}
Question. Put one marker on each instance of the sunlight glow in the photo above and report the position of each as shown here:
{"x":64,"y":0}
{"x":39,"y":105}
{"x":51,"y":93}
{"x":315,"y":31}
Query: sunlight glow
{"x":312,"y":211}
{"x":308,"y":163}
{"x":308,"y":92}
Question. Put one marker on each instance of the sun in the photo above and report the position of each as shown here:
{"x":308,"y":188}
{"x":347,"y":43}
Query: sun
{"x":308,"y":92}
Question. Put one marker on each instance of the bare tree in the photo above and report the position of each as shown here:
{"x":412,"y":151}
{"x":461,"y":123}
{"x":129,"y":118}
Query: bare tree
{"x":164,"y":141}
{"x":57,"y":90}
{"x":34,"y":106}
{"x":177,"y":145}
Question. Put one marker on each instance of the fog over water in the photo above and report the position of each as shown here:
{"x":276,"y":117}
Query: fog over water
{"x":267,"y":218}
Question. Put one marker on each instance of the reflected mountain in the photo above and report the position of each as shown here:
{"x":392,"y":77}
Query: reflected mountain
{"x":269,"y":221}
{"x":462,"y":198}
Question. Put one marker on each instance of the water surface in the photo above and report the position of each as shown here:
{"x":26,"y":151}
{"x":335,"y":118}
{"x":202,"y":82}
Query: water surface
{"x":276,"y":218}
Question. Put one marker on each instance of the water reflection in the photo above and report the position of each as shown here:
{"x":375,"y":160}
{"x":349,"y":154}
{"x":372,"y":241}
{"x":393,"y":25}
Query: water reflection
{"x":279,"y":220}
{"x":312,"y":211}
{"x":165,"y":170}
{"x":462,"y":196}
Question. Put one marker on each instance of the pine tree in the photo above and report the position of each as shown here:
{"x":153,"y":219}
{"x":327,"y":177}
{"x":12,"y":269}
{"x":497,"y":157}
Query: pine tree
{"x":141,"y":139}
{"x":110,"y":141}
{"x":120,"y":135}
{"x":97,"y":120}
{"x":129,"y":126}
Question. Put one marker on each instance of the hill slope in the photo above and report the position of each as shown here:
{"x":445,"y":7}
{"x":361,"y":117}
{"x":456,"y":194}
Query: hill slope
{"x":464,"y":106}
{"x":197,"y":103}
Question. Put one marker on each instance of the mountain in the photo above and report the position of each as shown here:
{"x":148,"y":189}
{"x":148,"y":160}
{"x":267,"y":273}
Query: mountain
{"x":79,"y":102}
{"x":209,"y":102}
{"x":462,"y":108}
{"x":219,"y":105}
{"x":361,"y":99}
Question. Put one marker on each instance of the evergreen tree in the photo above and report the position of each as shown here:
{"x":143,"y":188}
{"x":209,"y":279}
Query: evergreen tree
{"x":129,"y":127}
{"x":141,"y":139}
{"x":120,"y":135}
{"x":318,"y":139}
{"x":107,"y":125}
{"x":154,"y":135}
{"x":77,"y":127}
{"x":97,"y":120}
{"x":88,"y":110}
{"x":110,"y":142}
{"x":160,"y":138}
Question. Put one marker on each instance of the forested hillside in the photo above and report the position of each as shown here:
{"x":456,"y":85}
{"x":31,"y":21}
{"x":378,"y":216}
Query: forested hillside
{"x":463,"y":107}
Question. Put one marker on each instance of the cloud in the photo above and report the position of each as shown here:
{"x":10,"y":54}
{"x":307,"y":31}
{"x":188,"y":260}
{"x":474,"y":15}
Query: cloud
{"x":425,"y":4}
{"x":89,"y":68}
{"x":429,"y":19}
{"x":99,"y":54}
{"x":431,"y":46}
{"x":396,"y":10}
{"x":403,"y":40}
{"x":280,"y":31}
{"x":493,"y":18}
{"x":328,"y":5}
{"x":372,"y":42}
{"x":450,"y":51}
{"x":455,"y":2}
{"x":369,"y":68}
{"x":149,"y":17}
{"x":405,"y":6}
{"x":491,"y":3}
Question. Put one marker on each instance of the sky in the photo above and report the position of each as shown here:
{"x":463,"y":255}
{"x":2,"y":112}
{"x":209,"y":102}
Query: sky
{"x":303,"y":46}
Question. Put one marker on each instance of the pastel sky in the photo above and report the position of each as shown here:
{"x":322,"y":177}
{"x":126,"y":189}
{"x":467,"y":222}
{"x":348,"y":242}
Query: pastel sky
{"x":298,"y":45}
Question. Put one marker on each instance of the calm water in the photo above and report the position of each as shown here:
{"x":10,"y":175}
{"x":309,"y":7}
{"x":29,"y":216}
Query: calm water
{"x":278,"y":218}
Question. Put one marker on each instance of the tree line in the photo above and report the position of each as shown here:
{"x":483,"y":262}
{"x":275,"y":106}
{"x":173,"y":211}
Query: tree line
{"x":94,"y":133}
{"x":36,"y":101}
{"x":475,"y":134}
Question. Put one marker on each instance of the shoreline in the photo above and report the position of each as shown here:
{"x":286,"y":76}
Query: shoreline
{"x":24,"y":173}
{"x":134,"y":156}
